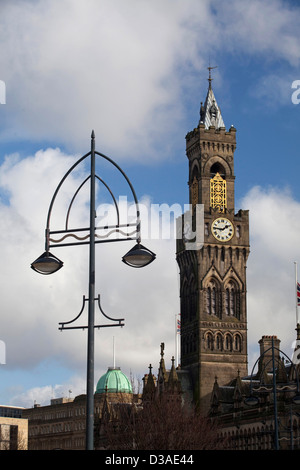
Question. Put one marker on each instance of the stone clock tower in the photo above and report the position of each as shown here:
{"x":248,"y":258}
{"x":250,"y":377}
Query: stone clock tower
{"x":213,"y":275}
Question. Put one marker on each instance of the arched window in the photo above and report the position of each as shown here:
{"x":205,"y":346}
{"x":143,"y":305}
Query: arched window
{"x":218,"y":190}
{"x":237,"y":342}
{"x":219,"y":342}
{"x":232,"y":300}
{"x":209,"y":341}
{"x":213,"y":299}
{"x":217,"y":168}
{"x":184,"y":306}
{"x":228,"y":342}
{"x":193,"y":298}
{"x":188,"y":300}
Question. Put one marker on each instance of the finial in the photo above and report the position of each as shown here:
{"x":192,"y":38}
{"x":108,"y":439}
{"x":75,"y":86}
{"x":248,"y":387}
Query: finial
{"x":93,"y":134}
{"x":209,"y":74}
{"x":298,"y":331}
{"x":162,"y":347}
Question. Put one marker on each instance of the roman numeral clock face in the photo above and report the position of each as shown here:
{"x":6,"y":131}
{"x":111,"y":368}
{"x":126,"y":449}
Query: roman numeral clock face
{"x":222,"y":229}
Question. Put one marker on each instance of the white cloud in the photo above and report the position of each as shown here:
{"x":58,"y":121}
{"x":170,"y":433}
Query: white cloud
{"x":267,"y":28}
{"x":274,"y":229}
{"x":147,"y":298}
{"x":43,"y":395}
{"x":106,"y":66}
{"x":122,"y":68}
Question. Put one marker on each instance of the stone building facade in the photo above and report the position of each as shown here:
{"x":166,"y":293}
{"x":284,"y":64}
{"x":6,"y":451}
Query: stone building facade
{"x":213,"y":375}
{"x":62,"y":423}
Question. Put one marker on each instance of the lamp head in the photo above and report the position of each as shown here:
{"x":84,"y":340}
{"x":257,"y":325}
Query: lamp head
{"x":251,"y":401}
{"x":47,"y":264}
{"x":138,"y":256}
{"x":296,"y":399}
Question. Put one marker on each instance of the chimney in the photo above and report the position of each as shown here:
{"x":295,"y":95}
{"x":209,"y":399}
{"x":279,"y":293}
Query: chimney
{"x":265,"y":343}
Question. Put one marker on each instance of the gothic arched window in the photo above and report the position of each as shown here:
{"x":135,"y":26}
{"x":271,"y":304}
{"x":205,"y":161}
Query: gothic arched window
{"x":217,"y":168}
{"x":228,"y":342}
{"x":184,"y":297}
{"x":232,"y":300}
{"x":213,"y":299}
{"x":188,"y":300}
{"x":209,"y":342}
{"x":237,"y":342}
{"x":218,"y":193}
{"x":219,"y":342}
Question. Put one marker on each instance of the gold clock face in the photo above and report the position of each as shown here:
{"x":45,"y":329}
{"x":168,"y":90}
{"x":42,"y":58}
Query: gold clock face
{"x":222,"y":229}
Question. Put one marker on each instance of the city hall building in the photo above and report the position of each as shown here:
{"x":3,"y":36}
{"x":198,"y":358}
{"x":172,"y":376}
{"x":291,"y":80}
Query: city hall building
{"x":253,"y":410}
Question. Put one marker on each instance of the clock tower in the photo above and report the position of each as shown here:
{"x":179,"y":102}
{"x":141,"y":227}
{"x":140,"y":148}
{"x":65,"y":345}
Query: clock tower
{"x":213,"y":273}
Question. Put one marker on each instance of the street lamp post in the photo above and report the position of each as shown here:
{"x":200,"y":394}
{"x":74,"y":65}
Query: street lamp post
{"x":47,"y":263}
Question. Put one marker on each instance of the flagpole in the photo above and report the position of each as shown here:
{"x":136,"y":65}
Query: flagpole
{"x":296,"y":284}
{"x":177,"y":336}
{"x":176,"y":346}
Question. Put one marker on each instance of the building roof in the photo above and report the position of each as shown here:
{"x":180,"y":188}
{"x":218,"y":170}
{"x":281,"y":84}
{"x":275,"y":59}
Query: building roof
{"x":114,"y":381}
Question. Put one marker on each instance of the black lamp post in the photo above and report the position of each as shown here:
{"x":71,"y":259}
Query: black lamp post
{"x":47,"y":263}
{"x":253,"y":400}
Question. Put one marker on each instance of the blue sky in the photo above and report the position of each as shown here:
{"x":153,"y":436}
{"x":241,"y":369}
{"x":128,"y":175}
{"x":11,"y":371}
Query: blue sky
{"x":136,"y":72}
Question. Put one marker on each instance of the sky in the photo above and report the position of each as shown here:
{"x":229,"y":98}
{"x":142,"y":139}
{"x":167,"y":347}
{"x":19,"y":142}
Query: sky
{"x":135,"y":72}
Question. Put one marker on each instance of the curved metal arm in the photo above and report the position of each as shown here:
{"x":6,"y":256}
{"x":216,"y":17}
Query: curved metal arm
{"x":47,"y":231}
{"x":79,"y":188}
{"x":274,"y":348}
{"x":104,"y":314}
{"x":63,"y":327}
{"x":77,"y":316}
{"x":55,"y":194}
{"x":129,"y":184}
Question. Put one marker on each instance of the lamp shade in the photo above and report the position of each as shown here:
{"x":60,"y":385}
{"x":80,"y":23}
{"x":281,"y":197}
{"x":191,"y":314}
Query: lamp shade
{"x":296,"y":399}
{"x":47,"y":264}
{"x":251,"y":401}
{"x":138,"y":256}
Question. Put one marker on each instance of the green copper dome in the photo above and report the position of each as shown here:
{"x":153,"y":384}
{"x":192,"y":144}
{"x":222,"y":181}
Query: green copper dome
{"x":114,"y":381}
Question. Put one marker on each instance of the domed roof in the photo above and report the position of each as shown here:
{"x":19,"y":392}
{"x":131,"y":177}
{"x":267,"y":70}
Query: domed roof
{"x":114,"y":381}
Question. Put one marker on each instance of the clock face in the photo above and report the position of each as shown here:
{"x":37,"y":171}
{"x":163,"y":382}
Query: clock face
{"x":222,"y":229}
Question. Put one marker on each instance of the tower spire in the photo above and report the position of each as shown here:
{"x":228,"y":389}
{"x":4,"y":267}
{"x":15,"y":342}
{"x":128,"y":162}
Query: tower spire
{"x":210,"y":112}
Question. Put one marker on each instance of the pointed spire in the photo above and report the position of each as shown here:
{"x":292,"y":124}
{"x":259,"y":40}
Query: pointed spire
{"x":162,"y":372}
{"x":239,"y":388}
{"x":210,"y":113}
{"x":215,"y":396}
{"x":149,"y":386}
{"x":173,"y":377}
{"x":281,"y":375}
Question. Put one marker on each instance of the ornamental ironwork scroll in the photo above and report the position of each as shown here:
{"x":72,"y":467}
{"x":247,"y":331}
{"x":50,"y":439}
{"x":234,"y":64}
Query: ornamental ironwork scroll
{"x":218,"y":193}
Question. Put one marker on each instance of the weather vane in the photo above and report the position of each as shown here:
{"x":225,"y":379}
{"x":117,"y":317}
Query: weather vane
{"x":209,"y":76}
